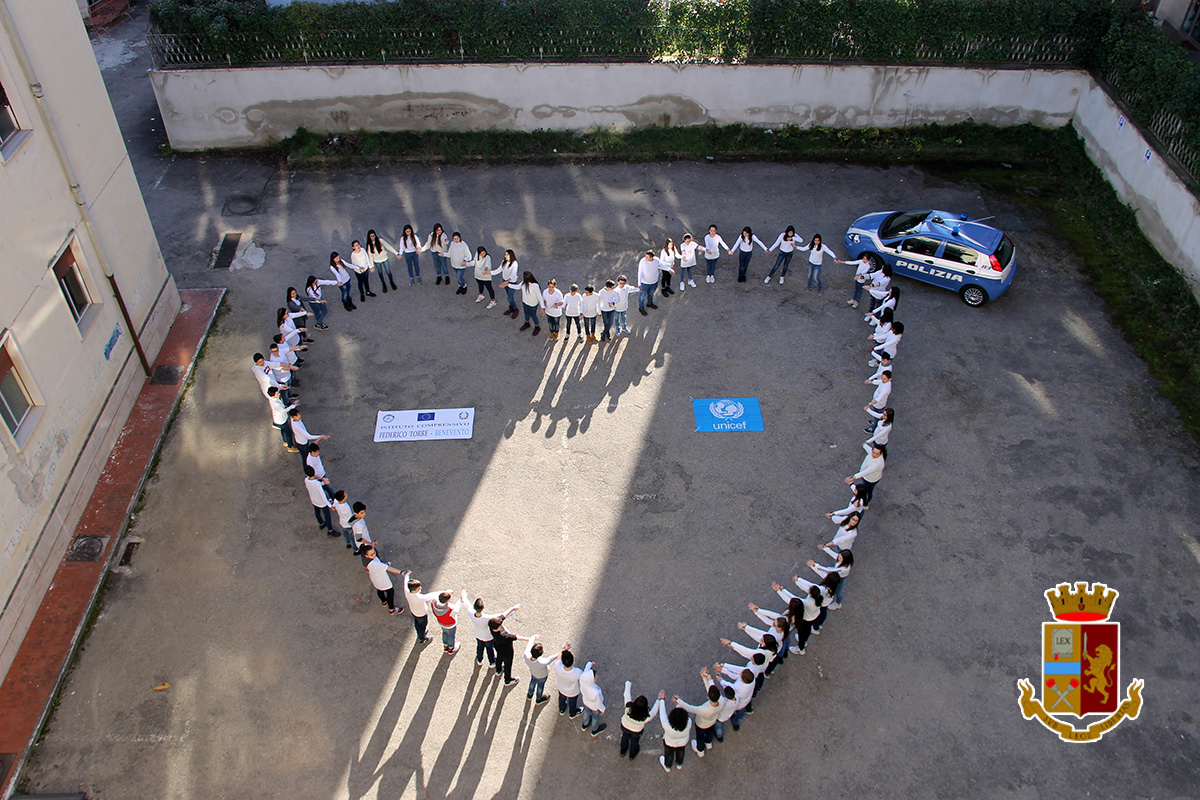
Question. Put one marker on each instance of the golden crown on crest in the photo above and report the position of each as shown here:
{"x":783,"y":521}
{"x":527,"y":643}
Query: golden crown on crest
{"x":1081,"y":602}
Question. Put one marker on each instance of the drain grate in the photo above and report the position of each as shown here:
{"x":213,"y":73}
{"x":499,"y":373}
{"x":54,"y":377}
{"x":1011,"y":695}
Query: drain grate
{"x":227,"y":250}
{"x":88,"y":549}
{"x":166,"y":376}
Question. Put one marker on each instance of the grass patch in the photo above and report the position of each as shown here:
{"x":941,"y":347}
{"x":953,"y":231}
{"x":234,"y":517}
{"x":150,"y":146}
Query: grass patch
{"x":1145,"y":296}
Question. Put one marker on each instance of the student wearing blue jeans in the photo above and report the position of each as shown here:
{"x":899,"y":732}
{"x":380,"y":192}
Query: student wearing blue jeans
{"x":648,"y":269}
{"x":539,"y":669}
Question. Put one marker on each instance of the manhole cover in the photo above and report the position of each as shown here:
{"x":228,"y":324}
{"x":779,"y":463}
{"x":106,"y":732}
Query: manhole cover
{"x":87,"y":548}
{"x":240,"y":205}
{"x":166,"y":376}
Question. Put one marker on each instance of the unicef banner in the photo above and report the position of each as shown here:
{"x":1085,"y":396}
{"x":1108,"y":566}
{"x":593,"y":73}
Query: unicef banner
{"x":728,"y":414}
{"x":437,"y":423}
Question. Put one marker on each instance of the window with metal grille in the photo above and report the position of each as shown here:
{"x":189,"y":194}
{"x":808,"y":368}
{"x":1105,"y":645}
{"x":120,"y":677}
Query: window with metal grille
{"x":8,"y":120}
{"x":75,"y":293}
{"x":14,"y":400}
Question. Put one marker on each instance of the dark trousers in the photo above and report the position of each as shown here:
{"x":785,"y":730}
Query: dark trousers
{"x":504,"y":659}
{"x":802,"y":633}
{"x":578,"y":324}
{"x":420,"y":624}
{"x":568,"y":704}
{"x":820,"y":620}
{"x":665,"y":282}
{"x":387,"y":597}
{"x":486,"y":287}
{"x":743,"y":262}
{"x":364,"y":283}
{"x":488,"y":647}
{"x":868,"y":491}
{"x":345,"y":289}
{"x":303,"y":448}
{"x":630,"y":741}
{"x":704,"y":737}
{"x":673,"y":755}
{"x":323,"y":518}
{"x":285,"y":430}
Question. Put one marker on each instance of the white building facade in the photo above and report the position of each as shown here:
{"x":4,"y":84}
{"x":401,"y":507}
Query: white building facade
{"x":76,"y":245}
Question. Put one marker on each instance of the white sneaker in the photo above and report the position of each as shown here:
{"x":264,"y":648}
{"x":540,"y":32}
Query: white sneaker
{"x":835,"y":606}
{"x":854,"y":304}
{"x":795,"y":650}
{"x":663,"y":761}
{"x":479,"y":299}
{"x":872,"y":363}
{"x":767,"y":279}
{"x":682,"y":287}
{"x":781,"y":280}
{"x":492,"y":304}
{"x":699,"y":753}
{"x":692,"y":284}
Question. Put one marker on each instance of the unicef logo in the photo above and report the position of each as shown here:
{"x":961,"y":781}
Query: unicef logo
{"x":389,"y":417}
{"x":726,"y":409}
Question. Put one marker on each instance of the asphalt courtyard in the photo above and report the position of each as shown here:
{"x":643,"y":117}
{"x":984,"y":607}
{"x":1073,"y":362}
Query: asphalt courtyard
{"x":1030,"y":448}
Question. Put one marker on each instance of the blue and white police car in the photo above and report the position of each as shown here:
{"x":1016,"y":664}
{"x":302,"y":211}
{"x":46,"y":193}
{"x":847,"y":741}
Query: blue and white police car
{"x":947,"y":250}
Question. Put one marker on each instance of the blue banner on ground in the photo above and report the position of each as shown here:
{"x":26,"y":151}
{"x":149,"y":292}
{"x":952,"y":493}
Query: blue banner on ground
{"x":728,"y":414}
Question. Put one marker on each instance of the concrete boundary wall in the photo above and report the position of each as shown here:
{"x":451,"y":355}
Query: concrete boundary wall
{"x":248,"y":107}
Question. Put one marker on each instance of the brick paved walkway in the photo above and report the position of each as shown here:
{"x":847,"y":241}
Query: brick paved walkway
{"x":45,"y":651}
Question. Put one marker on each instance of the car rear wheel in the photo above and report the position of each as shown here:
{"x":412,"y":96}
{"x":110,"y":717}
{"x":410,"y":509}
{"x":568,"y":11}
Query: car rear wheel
{"x":973,"y":296}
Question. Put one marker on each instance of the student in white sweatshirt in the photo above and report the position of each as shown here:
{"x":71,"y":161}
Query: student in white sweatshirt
{"x":857,"y":505}
{"x":862,"y":272}
{"x":589,"y":307}
{"x":890,"y":300}
{"x":320,"y":501}
{"x":566,"y":679}
{"x":621,"y":306}
{"x":706,"y":713}
{"x":890,"y":343}
{"x":687,"y":261}
{"x":410,"y":247}
{"x":758,"y":659}
{"x":712,"y":251}
{"x":539,"y":663}
{"x":742,"y":683}
{"x":341,"y":507}
{"x":531,"y":300}
{"x":593,"y":700}
{"x":826,"y":589}
{"x":483,"y":275}
{"x":572,"y":309}
{"x":802,"y":611}
{"x":553,"y":302}
{"x":638,"y":712}
{"x":816,"y":257}
{"x":418,"y":605}
{"x":744,"y":247}
{"x":648,"y":269}
{"x":341,"y":274}
{"x":378,"y":571}
{"x":361,"y":264}
{"x":883,"y":425}
{"x":883,"y":390}
{"x":483,"y":634}
{"x":842,"y":564}
{"x":438,"y":245}
{"x":871,"y":469}
{"x":677,"y":732}
{"x":666,"y":266}
{"x":777,"y":628}
{"x":846,"y":534}
{"x":881,"y":282}
{"x":510,"y":281}
{"x":459,"y":254}
{"x":279,"y":417}
{"x":608,"y":303}
{"x":787,"y":243}
{"x":378,"y":250}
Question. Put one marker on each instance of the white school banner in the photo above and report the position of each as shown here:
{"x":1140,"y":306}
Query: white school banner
{"x":435,"y":423}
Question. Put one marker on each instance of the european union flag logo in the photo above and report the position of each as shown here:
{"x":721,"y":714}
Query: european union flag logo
{"x":426,"y":416}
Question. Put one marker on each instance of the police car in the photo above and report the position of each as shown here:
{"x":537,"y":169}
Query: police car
{"x":947,"y":250}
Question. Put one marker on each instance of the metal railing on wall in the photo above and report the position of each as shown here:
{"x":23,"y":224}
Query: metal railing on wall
{"x":630,"y":45}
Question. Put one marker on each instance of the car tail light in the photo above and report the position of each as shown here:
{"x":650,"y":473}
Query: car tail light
{"x":996,"y":264}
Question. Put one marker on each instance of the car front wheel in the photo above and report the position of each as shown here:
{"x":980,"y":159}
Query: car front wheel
{"x":973,"y":296}
{"x":874,"y":259}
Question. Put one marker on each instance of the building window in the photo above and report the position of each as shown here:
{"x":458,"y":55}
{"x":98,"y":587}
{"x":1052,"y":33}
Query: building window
{"x":8,"y":120}
{"x":15,"y":403}
{"x":75,"y":293}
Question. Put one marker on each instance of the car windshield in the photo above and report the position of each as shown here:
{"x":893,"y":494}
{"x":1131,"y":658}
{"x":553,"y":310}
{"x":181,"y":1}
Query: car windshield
{"x":1004,"y":251}
{"x":901,"y":223}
